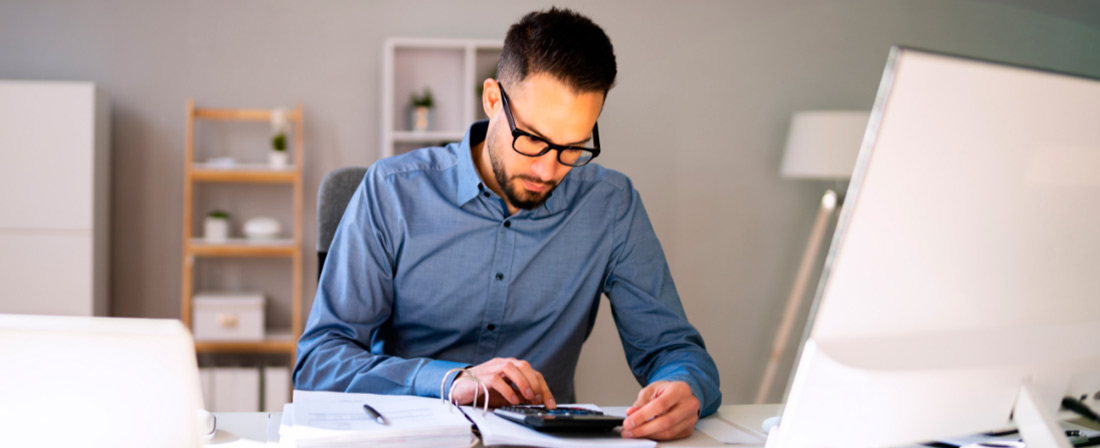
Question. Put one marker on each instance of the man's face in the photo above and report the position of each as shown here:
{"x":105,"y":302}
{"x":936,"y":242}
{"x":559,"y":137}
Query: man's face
{"x":543,"y":106}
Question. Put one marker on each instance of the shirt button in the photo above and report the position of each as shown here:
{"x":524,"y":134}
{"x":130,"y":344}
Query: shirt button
{"x":507,"y":223}
{"x":486,"y":194}
{"x":500,"y":276}
{"x":491,"y":327}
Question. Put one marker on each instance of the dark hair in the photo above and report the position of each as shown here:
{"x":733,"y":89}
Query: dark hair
{"x":562,"y":44}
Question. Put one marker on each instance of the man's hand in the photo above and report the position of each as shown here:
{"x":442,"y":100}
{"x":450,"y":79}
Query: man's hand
{"x":510,"y":381}
{"x":664,"y":410}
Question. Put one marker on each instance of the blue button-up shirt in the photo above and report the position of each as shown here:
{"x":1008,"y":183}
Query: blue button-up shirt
{"x":428,"y":272}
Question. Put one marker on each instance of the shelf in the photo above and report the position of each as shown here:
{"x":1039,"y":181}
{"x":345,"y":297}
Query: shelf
{"x":453,"y":69}
{"x":240,"y":114}
{"x":432,"y":136}
{"x":257,"y":173}
{"x":240,"y":247}
{"x":273,"y":343}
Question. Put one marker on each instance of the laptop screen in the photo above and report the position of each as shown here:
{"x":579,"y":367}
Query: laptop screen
{"x":93,"y":381}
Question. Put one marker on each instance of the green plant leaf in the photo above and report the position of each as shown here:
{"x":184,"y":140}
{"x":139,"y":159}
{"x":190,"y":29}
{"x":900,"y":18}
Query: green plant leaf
{"x":422,"y":100}
{"x":278,"y":142}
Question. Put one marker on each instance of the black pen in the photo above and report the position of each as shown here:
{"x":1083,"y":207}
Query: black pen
{"x":375,"y":414}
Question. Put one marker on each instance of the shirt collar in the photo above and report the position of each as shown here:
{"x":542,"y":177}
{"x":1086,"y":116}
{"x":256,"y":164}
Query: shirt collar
{"x":468,"y":178}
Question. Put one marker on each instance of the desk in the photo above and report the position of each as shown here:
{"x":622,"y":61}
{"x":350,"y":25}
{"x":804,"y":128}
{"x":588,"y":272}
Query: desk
{"x":254,"y":429}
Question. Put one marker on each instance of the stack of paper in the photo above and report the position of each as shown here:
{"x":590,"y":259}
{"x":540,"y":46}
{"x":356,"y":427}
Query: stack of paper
{"x":335,"y":419}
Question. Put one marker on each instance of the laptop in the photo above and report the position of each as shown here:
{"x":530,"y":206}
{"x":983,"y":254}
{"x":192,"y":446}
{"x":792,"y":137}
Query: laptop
{"x":97,"y":382}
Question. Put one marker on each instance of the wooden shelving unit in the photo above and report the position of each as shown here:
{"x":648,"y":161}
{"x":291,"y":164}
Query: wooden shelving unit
{"x":193,"y":247}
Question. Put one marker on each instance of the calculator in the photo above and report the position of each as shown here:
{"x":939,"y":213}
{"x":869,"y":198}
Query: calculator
{"x":560,"y":419}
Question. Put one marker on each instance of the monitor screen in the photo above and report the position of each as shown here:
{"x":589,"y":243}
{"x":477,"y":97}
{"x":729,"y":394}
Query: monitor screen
{"x":964,"y":273}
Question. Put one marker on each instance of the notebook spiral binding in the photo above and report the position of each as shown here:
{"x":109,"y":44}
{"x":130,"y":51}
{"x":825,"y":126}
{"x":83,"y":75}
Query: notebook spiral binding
{"x":458,"y":377}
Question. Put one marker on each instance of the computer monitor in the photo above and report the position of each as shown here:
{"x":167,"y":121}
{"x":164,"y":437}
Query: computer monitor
{"x":961,"y":292}
{"x":97,"y":382}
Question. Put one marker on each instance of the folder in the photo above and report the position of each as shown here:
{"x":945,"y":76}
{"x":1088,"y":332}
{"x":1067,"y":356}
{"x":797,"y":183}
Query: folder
{"x":335,"y":419}
{"x":236,"y":389}
{"x":276,"y":388}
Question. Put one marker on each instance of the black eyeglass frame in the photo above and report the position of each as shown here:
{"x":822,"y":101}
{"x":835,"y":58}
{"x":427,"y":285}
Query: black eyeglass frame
{"x":517,"y":133}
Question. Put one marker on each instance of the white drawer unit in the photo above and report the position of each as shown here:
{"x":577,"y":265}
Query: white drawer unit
{"x":220,"y":316}
{"x":55,"y":205}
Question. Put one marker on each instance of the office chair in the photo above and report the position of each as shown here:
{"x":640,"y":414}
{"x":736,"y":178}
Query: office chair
{"x":332,"y":198}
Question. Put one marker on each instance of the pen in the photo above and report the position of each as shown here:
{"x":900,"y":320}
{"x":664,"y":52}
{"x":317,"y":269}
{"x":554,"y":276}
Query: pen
{"x":375,"y":414}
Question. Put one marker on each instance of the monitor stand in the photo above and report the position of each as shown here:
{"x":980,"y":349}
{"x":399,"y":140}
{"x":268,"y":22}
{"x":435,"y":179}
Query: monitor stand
{"x":1037,"y":425}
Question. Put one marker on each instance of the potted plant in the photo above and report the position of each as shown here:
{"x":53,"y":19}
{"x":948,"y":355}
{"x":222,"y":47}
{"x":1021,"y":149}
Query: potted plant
{"x":278,"y":158}
{"x":420,"y":110}
{"x":216,"y":227}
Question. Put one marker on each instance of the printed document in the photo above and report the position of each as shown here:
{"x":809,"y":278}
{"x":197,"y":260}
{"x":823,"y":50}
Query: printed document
{"x":338,"y":419}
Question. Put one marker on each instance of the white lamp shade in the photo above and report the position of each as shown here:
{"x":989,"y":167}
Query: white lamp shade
{"x":824,"y":144}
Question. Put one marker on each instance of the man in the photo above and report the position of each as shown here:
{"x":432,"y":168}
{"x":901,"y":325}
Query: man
{"x":492,"y":254}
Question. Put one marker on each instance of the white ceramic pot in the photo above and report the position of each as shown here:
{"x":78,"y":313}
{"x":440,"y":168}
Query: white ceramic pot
{"x":215,"y":230}
{"x":420,"y":118}
{"x":277,"y":159}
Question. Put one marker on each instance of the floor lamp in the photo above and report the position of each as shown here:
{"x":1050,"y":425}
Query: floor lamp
{"x":821,"y":145}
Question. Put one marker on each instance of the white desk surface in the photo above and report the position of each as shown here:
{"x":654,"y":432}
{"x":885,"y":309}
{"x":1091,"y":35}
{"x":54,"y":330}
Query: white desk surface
{"x":254,"y":429}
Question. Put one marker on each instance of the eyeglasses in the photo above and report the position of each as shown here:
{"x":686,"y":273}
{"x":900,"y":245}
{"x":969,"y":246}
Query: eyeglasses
{"x":534,"y":146}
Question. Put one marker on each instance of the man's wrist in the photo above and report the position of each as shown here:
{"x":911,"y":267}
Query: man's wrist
{"x":432,"y":375}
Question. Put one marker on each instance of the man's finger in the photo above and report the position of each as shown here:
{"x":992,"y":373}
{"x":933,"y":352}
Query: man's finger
{"x":539,"y":390}
{"x":497,"y":383}
{"x":670,"y":412}
{"x":644,"y":396}
{"x":657,"y":399}
{"x":665,"y":424}
{"x":547,"y":396}
{"x":675,"y":430}
{"x":647,"y":407}
{"x":519,"y":379}
{"x":530,"y":374}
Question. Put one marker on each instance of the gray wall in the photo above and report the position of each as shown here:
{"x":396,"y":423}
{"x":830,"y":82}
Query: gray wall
{"x":698,"y":118}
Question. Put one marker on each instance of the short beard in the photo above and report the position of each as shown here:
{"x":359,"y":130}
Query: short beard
{"x":516,"y":195}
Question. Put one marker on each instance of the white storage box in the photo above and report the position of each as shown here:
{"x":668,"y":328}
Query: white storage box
{"x":228,"y":316}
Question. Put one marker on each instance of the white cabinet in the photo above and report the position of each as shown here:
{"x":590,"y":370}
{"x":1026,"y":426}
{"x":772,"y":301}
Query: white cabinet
{"x":453,"y":69}
{"x":54,"y":198}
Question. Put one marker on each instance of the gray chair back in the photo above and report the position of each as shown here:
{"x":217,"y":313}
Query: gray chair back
{"x":332,"y":198}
